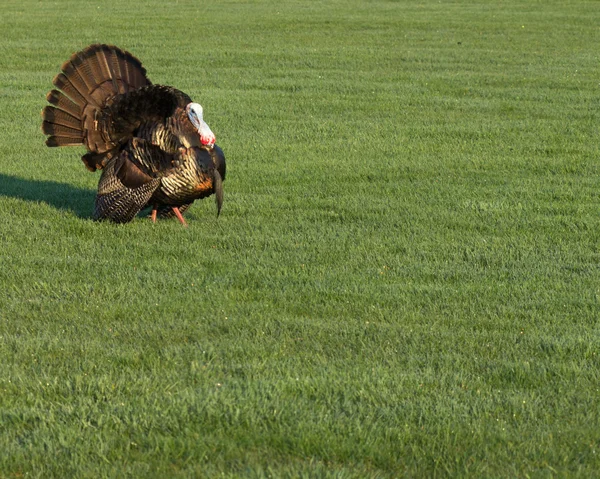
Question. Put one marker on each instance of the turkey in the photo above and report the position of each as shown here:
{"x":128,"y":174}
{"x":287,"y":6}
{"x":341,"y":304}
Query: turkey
{"x":150,"y":141}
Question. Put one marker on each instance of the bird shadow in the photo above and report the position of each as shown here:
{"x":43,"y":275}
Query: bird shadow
{"x":62,"y":196}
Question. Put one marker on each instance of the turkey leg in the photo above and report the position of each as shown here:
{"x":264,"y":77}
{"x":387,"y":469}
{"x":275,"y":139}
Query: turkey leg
{"x":179,"y":216}
{"x":175,"y":210}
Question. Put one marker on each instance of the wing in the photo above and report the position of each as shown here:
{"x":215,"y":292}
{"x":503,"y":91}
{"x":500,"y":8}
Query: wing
{"x":129,"y":181}
{"x":141,"y":161}
{"x":117,"y":202}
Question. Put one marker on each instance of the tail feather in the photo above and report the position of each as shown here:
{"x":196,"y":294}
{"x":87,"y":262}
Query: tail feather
{"x":61,"y":101}
{"x":60,"y":130}
{"x":53,"y":115}
{"x":53,"y":141}
{"x":134,"y":74}
{"x":113,"y":68}
{"x":137,"y":73}
{"x":94,"y":66}
{"x":115,"y":65}
{"x":124,"y":70}
{"x":87,"y":83}
{"x":63,"y":121}
{"x":83,"y":68}
{"x":74,"y":77}
{"x":80,"y":77}
{"x":63,"y":83}
{"x":103,"y":69}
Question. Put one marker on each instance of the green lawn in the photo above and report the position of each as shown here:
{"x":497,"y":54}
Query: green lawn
{"x":404,"y":279}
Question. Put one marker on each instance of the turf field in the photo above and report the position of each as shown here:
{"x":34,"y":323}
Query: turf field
{"x":404,"y":280}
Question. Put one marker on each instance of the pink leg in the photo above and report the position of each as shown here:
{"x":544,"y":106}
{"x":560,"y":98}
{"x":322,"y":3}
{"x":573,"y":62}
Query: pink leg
{"x":179,"y":216}
{"x":153,"y":216}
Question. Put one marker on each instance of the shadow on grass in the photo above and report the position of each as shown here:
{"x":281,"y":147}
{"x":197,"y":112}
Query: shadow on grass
{"x":59,"y":195}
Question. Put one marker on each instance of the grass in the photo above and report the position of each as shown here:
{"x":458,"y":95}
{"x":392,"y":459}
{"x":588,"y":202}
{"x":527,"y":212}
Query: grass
{"x":404,"y":279}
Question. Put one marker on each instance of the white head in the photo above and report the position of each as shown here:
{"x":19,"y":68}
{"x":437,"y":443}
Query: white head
{"x":194,"y":112}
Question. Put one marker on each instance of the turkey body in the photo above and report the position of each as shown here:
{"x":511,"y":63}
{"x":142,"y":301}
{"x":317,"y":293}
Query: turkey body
{"x":150,"y":141}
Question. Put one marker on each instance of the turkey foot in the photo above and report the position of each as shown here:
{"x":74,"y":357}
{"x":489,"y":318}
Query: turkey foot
{"x":179,"y":216}
{"x":153,"y":215}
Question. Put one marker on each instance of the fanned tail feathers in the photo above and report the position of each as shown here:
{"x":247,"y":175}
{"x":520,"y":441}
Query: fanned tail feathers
{"x":87,"y":82}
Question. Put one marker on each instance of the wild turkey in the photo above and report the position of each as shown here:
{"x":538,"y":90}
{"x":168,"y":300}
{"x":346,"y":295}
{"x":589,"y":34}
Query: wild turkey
{"x":151,"y":141}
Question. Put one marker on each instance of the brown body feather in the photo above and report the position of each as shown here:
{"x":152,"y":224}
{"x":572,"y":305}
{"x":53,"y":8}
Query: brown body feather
{"x":138,"y":133}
